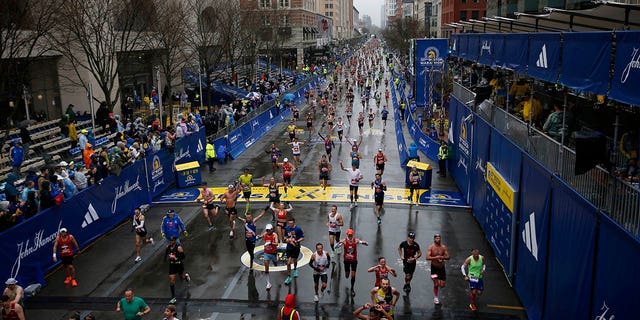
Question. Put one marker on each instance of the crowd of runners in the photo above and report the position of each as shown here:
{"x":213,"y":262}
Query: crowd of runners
{"x":366,"y":75}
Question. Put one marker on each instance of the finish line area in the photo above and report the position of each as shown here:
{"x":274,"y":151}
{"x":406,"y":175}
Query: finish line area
{"x":331,"y":194}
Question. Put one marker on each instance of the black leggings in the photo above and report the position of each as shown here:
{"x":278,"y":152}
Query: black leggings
{"x":250,"y":246}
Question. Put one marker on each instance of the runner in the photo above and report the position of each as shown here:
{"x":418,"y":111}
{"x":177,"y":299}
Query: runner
{"x":324,"y":167}
{"x":334,"y":222}
{"x":414,"y":183}
{"x":328,"y":144}
{"x":170,"y":312}
{"x":141,"y":232}
{"x":349,"y":110}
{"x":384,"y":114}
{"x":320,"y":261}
{"x":382,"y":271}
{"x":355,"y":156}
{"x":309,"y":124}
{"x":360,"y":122}
{"x":275,"y":154}
{"x":66,"y":242}
{"x":294,"y":235}
{"x":385,"y":296}
{"x":371,"y":116}
{"x":409,"y":251}
{"x":376,"y":312}
{"x":350,"y":257}
{"x":281,"y":215}
{"x":340,"y":128}
{"x":274,"y":193}
{"x":437,"y":254}
{"x":132,"y":307}
{"x":208,"y":199}
{"x":246,"y":182}
{"x":295,"y":149}
{"x":172,"y":226}
{"x":354,"y":179}
{"x":287,"y":173}
{"x":379,"y":160}
{"x":296,"y":113}
{"x":476,"y":266}
{"x":379,"y":187}
{"x":174,"y":254}
{"x":270,"y":252}
{"x":291,"y":130}
{"x":250,"y":233}
{"x":230,"y":198}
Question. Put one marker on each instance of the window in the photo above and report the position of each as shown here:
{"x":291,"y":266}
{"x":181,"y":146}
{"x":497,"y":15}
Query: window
{"x":285,"y":20}
{"x":463,"y":15}
{"x":265,"y":3}
{"x":284,"y":3}
{"x":475,"y":14}
{"x":265,"y":21}
{"x":463,"y":1}
{"x":329,"y":13}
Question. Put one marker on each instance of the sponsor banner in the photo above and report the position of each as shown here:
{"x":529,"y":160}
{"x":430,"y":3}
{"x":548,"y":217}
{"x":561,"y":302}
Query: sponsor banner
{"x":26,"y":248}
{"x":586,"y":72}
{"x":191,"y":148}
{"x":303,"y":259}
{"x":429,"y":64}
{"x":455,"y":44}
{"x":544,"y":56}
{"x":516,"y":53}
{"x":501,"y":187}
{"x":497,"y":221}
{"x":427,"y":145}
{"x":160,"y":172}
{"x":487,"y":48}
{"x":178,"y":195}
{"x":626,"y":72}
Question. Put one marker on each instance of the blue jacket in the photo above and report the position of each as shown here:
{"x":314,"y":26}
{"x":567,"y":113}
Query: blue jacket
{"x":172,"y":227}
{"x":16,"y":156}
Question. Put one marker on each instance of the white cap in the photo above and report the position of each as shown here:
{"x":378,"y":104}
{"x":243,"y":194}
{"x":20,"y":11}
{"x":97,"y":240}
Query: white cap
{"x":380,"y":149}
{"x":11,"y":281}
{"x":59,"y":177}
{"x":230,"y":186}
{"x":63,"y":164}
{"x":286,"y":160}
{"x":269,"y":227}
{"x":63,"y":229}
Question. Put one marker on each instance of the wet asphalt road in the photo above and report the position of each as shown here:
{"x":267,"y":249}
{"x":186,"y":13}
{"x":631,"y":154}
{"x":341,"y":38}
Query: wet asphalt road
{"x":223,"y":288}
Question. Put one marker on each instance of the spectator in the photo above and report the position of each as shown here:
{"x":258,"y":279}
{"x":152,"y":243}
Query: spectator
{"x":102,"y":164}
{"x":11,"y":192}
{"x":64,"y":126}
{"x":44,"y":175}
{"x":25,"y":136}
{"x":629,"y":144}
{"x":102,"y":115}
{"x":169,"y":140}
{"x":73,"y":134}
{"x":524,"y":107}
{"x":79,"y":178}
{"x":181,"y":128}
{"x":46,"y":200}
{"x":71,"y":115}
{"x":86,"y":154}
{"x":117,"y":159}
{"x":119,"y":125}
{"x":16,"y":156}
{"x":61,"y":169}
{"x":28,"y":187}
{"x":91,"y":138}
{"x":69,"y":188}
{"x":82,"y":138}
{"x":32,"y":176}
{"x":31,"y":205}
{"x":554,"y":126}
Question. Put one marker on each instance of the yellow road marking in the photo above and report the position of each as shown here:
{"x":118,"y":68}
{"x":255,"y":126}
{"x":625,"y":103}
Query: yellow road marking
{"x":504,"y":307}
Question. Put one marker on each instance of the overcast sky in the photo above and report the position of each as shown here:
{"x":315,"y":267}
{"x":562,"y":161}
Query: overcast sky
{"x":370,"y":8}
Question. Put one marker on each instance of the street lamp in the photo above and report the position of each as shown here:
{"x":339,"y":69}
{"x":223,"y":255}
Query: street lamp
{"x":159,"y":94}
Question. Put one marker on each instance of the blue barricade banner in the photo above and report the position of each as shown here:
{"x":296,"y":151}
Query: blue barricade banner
{"x":487,"y":49}
{"x":482,"y":141}
{"x":160,"y":172}
{"x":429,"y":65}
{"x":533,"y":234}
{"x":506,"y":157}
{"x":425,"y":143}
{"x":191,"y":148}
{"x":516,"y":53}
{"x":571,"y":254}
{"x":455,"y":44}
{"x":402,"y":147}
{"x":499,"y":47}
{"x":544,"y":56}
{"x":26,"y":248}
{"x":586,"y":72}
{"x":616,"y":279}
{"x":460,"y":163}
{"x":472,"y":47}
{"x":626,"y":72}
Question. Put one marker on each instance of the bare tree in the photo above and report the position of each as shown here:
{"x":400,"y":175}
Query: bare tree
{"x":398,"y":33}
{"x":91,"y":33}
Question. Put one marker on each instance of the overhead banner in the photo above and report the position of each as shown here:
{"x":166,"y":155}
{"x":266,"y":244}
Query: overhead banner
{"x":431,"y":55}
{"x":614,"y":281}
{"x":472,"y":47}
{"x":586,"y":72}
{"x":626,"y":72}
{"x":455,"y":44}
{"x":571,"y":254}
{"x":487,"y":49}
{"x":499,"y":47}
{"x":516,"y":53}
{"x":464,"y":45}
{"x":532,"y":237}
{"x":544,"y":56}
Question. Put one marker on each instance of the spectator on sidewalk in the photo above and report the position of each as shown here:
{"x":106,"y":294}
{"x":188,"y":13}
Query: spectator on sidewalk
{"x":16,"y":156}
{"x":25,"y":137}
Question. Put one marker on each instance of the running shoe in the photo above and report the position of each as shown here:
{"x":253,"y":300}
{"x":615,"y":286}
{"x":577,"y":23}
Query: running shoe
{"x":137,"y":259}
{"x":231,"y":234}
{"x":67,"y":280}
{"x":379,"y":221}
{"x":151,"y":240}
{"x":295,"y":273}
{"x":217,"y":206}
{"x":473,"y":307}
{"x":74,"y":283}
{"x":356,"y":203}
{"x":211,"y":227}
{"x":173,"y":300}
{"x":268,"y":286}
{"x":436,"y":300}
{"x":315,"y":298}
{"x":353,"y":292}
{"x":187,"y":277}
{"x":351,"y":206}
{"x":287,"y":280}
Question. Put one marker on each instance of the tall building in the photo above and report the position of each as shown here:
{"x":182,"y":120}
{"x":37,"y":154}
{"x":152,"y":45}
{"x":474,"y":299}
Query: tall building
{"x":461,"y":10}
{"x":366,"y":21}
{"x":340,"y":11}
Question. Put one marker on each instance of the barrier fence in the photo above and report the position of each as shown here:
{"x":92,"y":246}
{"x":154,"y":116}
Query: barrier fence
{"x":566,"y":258}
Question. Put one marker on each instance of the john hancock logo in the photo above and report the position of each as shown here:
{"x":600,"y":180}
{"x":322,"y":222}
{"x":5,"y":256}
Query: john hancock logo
{"x":633,"y":64}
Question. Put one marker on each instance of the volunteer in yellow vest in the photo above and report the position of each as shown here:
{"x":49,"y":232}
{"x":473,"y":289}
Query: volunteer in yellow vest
{"x":443,"y":155}
{"x":210,"y":154}
{"x":476,"y":266}
{"x":525,"y":108}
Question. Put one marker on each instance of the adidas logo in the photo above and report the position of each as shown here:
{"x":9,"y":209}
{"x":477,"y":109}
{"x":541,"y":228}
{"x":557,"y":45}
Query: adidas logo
{"x":90,"y":216}
{"x":542,"y":58}
{"x":454,"y":45}
{"x":200,"y":148}
{"x":529,"y":235}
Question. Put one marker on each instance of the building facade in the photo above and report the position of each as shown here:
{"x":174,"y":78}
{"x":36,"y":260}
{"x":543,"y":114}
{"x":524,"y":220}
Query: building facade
{"x":341,"y":12}
{"x":461,"y":10}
